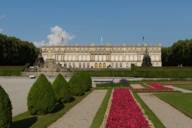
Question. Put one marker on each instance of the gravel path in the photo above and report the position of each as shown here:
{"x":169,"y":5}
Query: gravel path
{"x":82,"y":115}
{"x":17,"y":89}
{"x":179,"y":89}
{"x":170,"y":117}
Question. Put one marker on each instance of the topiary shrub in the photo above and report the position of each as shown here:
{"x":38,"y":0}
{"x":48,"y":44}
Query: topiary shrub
{"x":87,"y":80}
{"x":61,"y":88}
{"x":41,"y":98}
{"x":5,"y":109}
{"x":80,"y":83}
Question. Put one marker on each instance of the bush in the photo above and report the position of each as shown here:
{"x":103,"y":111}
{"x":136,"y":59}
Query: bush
{"x":5,"y":109}
{"x":61,"y":88}
{"x":80,"y":83}
{"x":41,"y":98}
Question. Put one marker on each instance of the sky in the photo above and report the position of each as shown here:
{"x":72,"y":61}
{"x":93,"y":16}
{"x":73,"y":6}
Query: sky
{"x":98,"y":21}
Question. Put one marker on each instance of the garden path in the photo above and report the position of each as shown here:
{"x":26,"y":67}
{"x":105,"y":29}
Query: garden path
{"x":82,"y":115}
{"x":169,"y":116}
{"x":137,"y":86}
{"x":179,"y":89}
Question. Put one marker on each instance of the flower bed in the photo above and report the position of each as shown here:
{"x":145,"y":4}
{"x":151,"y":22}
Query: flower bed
{"x":158,"y":86}
{"x":124,"y":111}
{"x":154,"y":87}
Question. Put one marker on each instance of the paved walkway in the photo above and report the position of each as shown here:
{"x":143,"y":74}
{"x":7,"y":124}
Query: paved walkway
{"x":136,"y":86}
{"x":82,"y":115}
{"x":17,"y":89}
{"x":179,"y":89}
{"x":169,"y":116}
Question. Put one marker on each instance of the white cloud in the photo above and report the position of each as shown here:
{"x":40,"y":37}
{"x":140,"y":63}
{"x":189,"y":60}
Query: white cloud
{"x":58,"y":36}
{"x":39,"y":43}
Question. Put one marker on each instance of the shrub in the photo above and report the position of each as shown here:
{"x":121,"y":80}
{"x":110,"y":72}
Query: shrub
{"x":41,"y":98}
{"x":5,"y":109}
{"x":80,"y":83}
{"x":61,"y":88}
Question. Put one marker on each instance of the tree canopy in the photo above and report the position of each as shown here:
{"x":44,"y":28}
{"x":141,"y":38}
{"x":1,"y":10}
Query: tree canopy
{"x":14,"y":51}
{"x":180,"y":53}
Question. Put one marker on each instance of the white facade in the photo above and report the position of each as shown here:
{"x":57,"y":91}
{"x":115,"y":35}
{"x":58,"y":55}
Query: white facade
{"x":101,"y":56}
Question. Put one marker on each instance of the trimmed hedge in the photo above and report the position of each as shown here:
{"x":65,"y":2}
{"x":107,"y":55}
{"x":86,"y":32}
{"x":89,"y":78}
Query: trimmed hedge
{"x":5,"y":110}
{"x":80,"y":83}
{"x":147,"y":72}
{"x":41,"y":98}
{"x":62,"y":90}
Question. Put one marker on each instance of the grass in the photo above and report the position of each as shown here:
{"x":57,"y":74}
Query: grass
{"x":181,"y":101}
{"x":156,"y":122}
{"x":185,"y":86}
{"x":25,"y":120}
{"x":99,"y":117}
{"x":11,"y":70}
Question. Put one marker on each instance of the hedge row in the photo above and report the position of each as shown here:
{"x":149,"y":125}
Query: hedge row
{"x":161,"y":72}
{"x":44,"y":98}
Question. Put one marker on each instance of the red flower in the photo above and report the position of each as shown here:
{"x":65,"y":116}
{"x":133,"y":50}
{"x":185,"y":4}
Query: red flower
{"x":124,"y":111}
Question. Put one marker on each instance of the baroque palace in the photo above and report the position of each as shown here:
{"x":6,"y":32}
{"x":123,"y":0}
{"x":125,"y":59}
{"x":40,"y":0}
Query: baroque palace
{"x":101,"y":56}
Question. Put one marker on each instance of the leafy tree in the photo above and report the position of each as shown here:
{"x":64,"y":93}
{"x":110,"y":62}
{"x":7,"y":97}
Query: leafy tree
{"x":5,"y":109}
{"x":62,"y":90}
{"x":14,"y":51}
{"x":146,"y":60}
{"x":41,"y":98}
{"x":180,"y":53}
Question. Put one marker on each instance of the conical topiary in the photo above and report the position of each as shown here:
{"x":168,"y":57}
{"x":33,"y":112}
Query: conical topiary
{"x":80,"y":83}
{"x":5,"y":109}
{"x":41,"y":98}
{"x":61,"y":88}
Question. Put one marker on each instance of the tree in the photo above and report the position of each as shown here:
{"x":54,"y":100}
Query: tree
{"x":180,"y":53}
{"x":146,"y":60}
{"x":80,"y":83}
{"x":5,"y":109}
{"x":14,"y":51}
{"x":62,"y":90}
{"x":41,"y":98}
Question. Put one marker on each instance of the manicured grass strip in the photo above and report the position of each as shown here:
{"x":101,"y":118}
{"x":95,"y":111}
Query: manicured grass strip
{"x":156,"y":122}
{"x":185,"y":86}
{"x":181,"y":101}
{"x":11,"y":70}
{"x":25,"y":120}
{"x":99,"y":117}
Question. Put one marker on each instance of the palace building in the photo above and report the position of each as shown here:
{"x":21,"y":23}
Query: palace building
{"x":101,"y":56}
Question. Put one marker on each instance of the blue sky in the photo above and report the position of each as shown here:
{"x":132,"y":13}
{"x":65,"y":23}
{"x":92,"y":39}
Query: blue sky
{"x":117,"y":21}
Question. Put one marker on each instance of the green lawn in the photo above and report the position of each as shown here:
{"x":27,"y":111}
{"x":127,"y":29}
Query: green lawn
{"x":11,"y":70}
{"x":185,"y":86}
{"x":156,"y":122}
{"x":25,"y":120}
{"x":181,"y":101}
{"x":98,"y":119}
